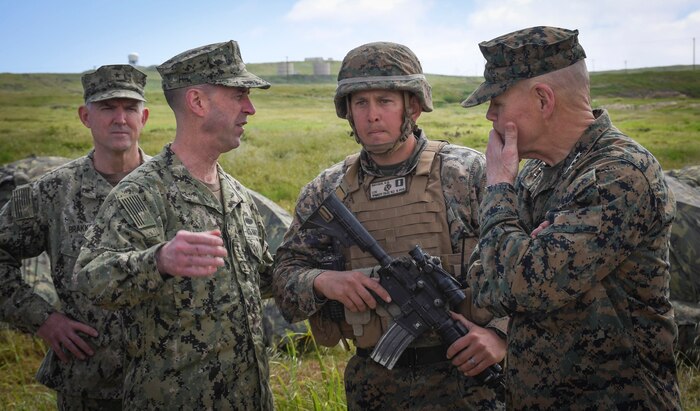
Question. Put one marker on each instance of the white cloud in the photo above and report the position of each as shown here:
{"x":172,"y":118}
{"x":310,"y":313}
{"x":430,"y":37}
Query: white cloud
{"x":354,"y":11}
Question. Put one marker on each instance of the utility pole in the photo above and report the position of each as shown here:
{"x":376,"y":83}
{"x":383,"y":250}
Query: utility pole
{"x":693,"y":53}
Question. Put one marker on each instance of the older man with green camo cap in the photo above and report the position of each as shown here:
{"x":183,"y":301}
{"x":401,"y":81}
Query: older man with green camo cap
{"x":181,"y":248}
{"x":574,"y":247}
{"x":85,"y":362}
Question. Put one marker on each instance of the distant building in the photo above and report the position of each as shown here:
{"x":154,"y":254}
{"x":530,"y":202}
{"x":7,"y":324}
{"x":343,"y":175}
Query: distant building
{"x":133,"y":58}
{"x":321,"y":67}
{"x":285,"y":68}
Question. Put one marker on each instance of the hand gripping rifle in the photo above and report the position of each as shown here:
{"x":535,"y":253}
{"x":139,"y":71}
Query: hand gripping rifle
{"x":420,"y":287}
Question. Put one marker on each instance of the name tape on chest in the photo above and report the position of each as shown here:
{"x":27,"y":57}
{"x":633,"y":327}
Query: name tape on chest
{"x":387,"y":188}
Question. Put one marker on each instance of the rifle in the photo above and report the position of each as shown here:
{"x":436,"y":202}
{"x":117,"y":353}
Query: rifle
{"x":419,"y":286}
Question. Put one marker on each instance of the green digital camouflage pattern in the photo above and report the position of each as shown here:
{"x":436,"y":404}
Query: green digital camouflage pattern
{"x":433,"y":387}
{"x":50,"y":215}
{"x":685,"y":260}
{"x":462,"y":176}
{"x":113,"y":81}
{"x":381,"y":65}
{"x":591,"y":322}
{"x":218,"y":63}
{"x":524,"y":54}
{"x":192,"y":342}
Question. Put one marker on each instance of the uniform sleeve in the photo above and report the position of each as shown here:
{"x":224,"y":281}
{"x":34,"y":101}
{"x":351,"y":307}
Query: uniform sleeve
{"x":22,"y":235}
{"x":116,"y":267}
{"x":298,"y":258}
{"x":463,"y":179}
{"x":600,"y":219}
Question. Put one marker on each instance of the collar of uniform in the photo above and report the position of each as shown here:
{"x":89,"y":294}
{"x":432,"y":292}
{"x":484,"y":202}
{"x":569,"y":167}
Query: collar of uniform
{"x":92,"y":184}
{"x":369,"y":167}
{"x":90,"y":188}
{"x":543,"y":177}
{"x":191,"y":189}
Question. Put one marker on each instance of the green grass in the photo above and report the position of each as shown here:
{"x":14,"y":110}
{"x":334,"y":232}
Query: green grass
{"x":296,"y":134}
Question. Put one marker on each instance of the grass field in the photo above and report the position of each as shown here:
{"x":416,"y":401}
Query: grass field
{"x":296,"y":134}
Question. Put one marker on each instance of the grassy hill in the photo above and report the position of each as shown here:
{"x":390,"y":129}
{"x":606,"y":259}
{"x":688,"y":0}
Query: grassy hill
{"x":295,"y":133}
{"x":293,"y":136}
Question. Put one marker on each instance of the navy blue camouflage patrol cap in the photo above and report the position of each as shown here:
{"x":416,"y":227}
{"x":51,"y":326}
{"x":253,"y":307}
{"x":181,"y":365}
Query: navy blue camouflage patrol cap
{"x":113,"y":81}
{"x":218,"y":63}
{"x":524,"y":54}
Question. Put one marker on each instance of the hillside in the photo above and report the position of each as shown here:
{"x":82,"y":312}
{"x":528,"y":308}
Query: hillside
{"x":295,"y":132}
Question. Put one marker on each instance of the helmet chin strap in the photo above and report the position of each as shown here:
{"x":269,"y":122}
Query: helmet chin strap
{"x":386,"y":149}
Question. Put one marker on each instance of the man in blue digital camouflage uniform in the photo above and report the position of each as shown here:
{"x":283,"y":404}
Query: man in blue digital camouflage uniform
{"x":85,"y":361}
{"x":406,"y":190}
{"x":574,"y":247}
{"x":181,"y":247}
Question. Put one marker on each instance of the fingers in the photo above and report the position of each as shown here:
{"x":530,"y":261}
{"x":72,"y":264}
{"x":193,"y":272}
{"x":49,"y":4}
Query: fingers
{"x":539,"y":229}
{"x":458,"y":346}
{"x":352,"y":288}
{"x":77,"y":346}
{"x":476,"y":351}
{"x":61,"y":334}
{"x":192,"y":254}
{"x":502,"y":160}
{"x":510,"y":139}
{"x":58,"y":350}
{"x":379,"y":291}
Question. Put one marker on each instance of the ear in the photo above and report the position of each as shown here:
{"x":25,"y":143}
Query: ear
{"x":84,"y":115}
{"x":416,"y":109}
{"x":545,"y":99}
{"x":196,"y":101}
{"x":144,"y":116}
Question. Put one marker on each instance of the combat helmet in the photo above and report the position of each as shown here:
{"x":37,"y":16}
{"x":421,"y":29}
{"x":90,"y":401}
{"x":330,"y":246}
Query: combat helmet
{"x":381,"y":65}
{"x":386,"y":66}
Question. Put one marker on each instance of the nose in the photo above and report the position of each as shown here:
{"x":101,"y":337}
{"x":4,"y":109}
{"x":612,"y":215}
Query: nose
{"x":248,"y":106}
{"x":491,"y":113}
{"x":120,"y":115}
{"x":372,"y":112}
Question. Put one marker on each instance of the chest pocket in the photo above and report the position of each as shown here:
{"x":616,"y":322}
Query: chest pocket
{"x":580,"y":209}
{"x":73,"y":237}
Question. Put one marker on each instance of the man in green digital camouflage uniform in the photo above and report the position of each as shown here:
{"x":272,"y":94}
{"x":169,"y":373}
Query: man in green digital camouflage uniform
{"x":181,"y":247}
{"x":574,"y":247}
{"x":85,"y":361}
{"x":406,"y":190}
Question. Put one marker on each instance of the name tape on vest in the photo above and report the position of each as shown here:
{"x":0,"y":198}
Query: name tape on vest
{"x":387,"y":188}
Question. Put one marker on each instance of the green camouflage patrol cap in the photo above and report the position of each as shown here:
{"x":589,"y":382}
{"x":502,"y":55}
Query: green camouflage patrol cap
{"x":113,"y":81}
{"x":524,"y":54}
{"x":218,"y":63}
{"x":381,"y":65}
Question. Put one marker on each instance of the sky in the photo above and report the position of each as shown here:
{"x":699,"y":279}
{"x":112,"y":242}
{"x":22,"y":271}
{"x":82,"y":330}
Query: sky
{"x":72,"y":36}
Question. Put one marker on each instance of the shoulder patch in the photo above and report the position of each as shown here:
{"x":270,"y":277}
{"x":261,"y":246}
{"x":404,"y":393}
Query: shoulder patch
{"x":136,"y":209}
{"x":22,"y":206}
